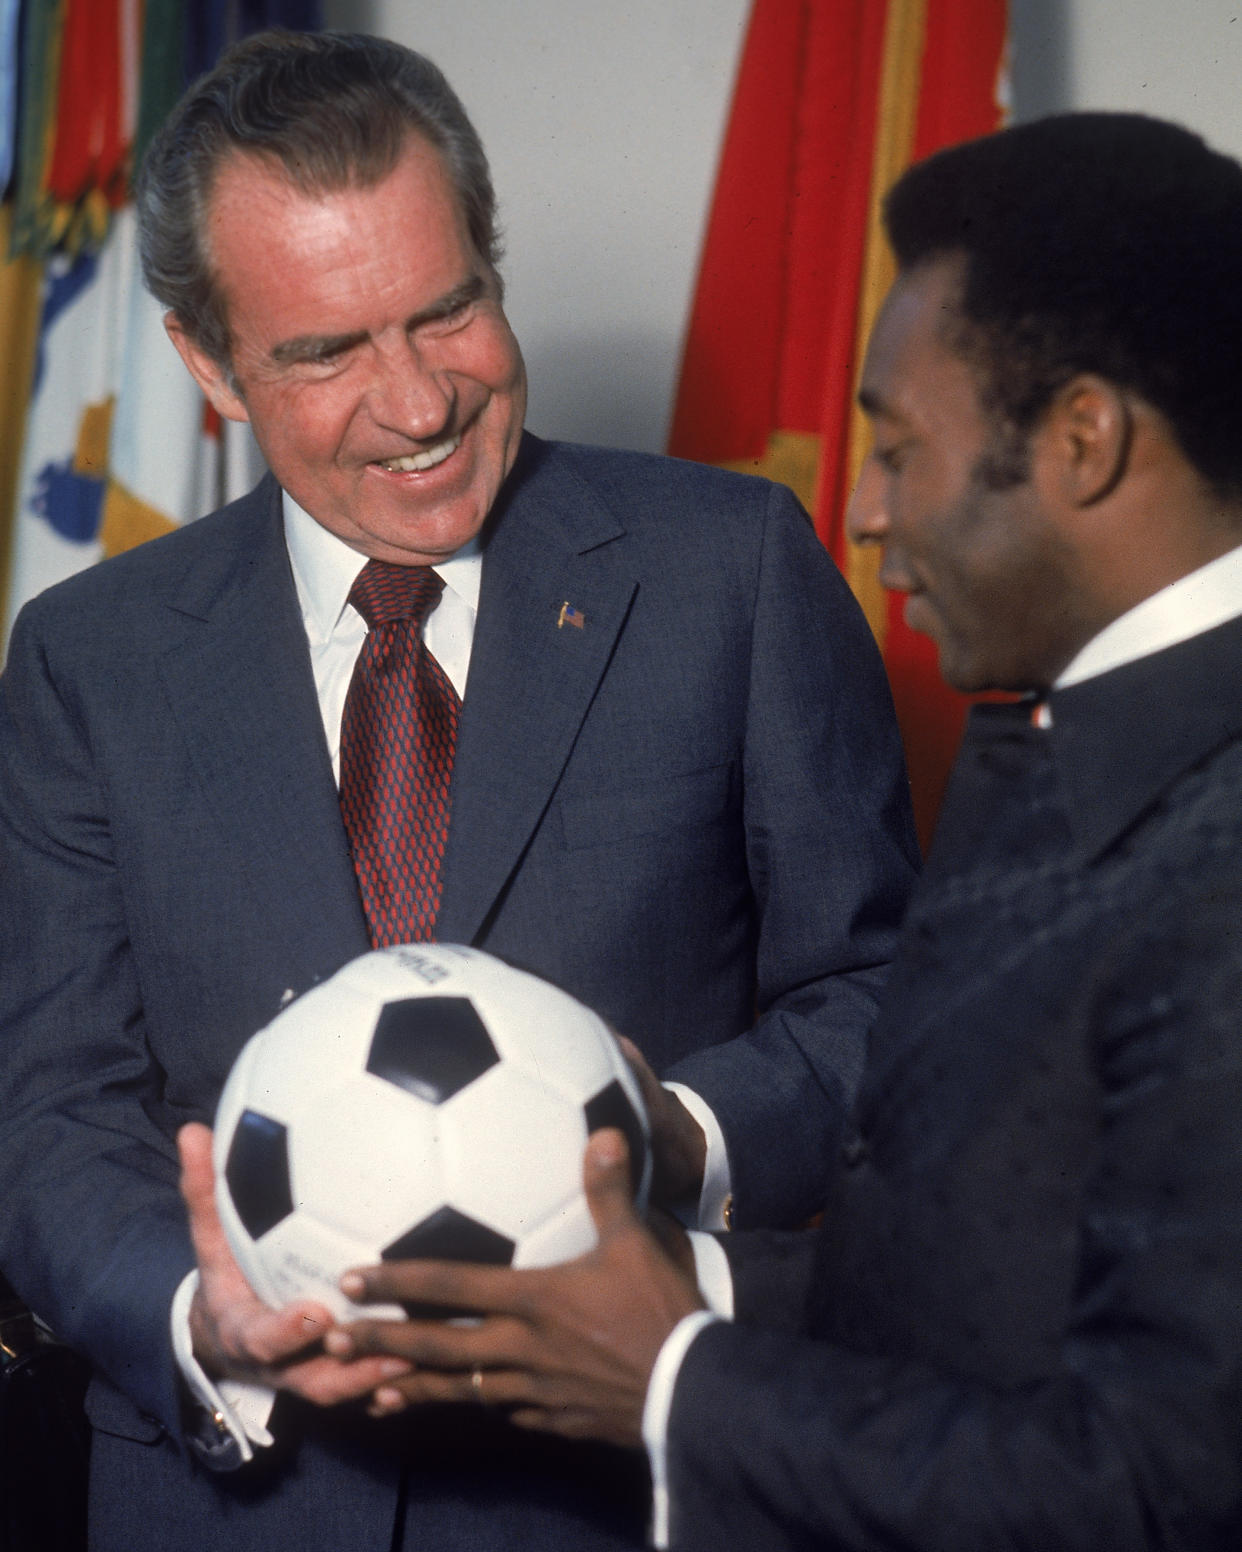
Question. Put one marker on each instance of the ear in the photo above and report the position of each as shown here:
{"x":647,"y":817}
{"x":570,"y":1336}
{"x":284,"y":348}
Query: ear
{"x":1087,"y":434}
{"x":206,"y":371}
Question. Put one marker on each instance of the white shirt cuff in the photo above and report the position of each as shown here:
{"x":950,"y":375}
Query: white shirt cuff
{"x":241,"y":1408}
{"x":656,"y":1411}
{"x":717,"y":1180}
{"x":711,"y":1271}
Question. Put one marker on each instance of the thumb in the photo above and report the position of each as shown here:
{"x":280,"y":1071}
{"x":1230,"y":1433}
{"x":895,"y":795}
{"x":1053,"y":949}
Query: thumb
{"x":198,"y":1190}
{"x":197,"y":1172}
{"x":606,"y":1178}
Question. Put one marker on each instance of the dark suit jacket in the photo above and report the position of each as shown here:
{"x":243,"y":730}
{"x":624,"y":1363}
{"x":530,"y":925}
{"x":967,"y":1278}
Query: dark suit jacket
{"x":1024,"y":1320}
{"x":691,"y":808}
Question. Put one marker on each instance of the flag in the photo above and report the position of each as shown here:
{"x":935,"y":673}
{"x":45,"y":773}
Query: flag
{"x":106,"y":440}
{"x":8,"y":89}
{"x":118,"y":447}
{"x":19,"y":317}
{"x":833,"y":99}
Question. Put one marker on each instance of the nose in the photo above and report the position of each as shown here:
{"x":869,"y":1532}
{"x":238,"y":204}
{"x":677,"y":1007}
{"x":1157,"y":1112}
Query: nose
{"x":866,"y":516}
{"x":407,"y":395}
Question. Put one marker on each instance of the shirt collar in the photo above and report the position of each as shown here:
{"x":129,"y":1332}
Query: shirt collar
{"x":1194,"y":603}
{"x":325,"y":568}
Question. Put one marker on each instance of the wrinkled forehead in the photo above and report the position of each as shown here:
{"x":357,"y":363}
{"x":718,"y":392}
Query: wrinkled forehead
{"x":258,"y":217}
{"x":316,"y":180}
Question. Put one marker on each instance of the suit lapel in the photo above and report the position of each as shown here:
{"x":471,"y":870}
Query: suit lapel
{"x":242,"y":692}
{"x":531,"y":680}
{"x":1123,"y":738}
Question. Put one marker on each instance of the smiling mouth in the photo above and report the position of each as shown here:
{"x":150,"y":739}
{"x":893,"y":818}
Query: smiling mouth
{"x":418,"y":463}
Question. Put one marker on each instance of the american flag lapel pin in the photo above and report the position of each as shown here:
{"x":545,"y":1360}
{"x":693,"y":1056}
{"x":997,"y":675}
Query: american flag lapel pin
{"x":570,"y":616}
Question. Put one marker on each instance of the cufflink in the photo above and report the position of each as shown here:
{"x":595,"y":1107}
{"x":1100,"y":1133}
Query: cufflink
{"x":726,"y":1212}
{"x":212,"y":1443}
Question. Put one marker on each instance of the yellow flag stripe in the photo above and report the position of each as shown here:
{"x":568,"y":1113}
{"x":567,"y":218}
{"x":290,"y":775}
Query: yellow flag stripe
{"x":904,"y":31}
{"x":128,"y":520}
{"x":19,"y":330}
{"x":791,"y":458}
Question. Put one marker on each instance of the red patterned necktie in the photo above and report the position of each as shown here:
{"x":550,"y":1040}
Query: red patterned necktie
{"x":398,"y":735}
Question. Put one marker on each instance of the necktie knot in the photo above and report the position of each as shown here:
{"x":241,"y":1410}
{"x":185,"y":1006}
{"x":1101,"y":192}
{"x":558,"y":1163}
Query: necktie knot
{"x":384,"y":593}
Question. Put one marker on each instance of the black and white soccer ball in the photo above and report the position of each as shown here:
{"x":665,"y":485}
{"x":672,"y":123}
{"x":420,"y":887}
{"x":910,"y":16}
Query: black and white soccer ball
{"x":427,"y":1101}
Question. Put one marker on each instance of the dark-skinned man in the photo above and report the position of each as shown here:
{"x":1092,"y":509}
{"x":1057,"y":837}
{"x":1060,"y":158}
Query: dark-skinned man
{"x":1020,"y":1325}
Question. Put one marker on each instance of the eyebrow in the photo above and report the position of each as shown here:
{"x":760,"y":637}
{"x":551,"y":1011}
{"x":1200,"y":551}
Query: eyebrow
{"x":306,"y":347}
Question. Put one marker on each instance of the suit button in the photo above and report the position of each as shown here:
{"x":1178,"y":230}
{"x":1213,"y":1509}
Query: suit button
{"x":854,"y":1150}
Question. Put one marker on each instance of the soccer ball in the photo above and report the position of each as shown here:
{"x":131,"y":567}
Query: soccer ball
{"x":427,"y":1101}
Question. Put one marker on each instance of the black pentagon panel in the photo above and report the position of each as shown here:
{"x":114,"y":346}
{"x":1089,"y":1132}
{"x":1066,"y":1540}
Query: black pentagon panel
{"x":431,"y":1046}
{"x":612,"y":1107}
{"x":448,"y":1235}
{"x":257,"y":1172}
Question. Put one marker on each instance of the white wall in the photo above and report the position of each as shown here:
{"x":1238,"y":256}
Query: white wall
{"x":1177,"y":59}
{"x":603,"y":124}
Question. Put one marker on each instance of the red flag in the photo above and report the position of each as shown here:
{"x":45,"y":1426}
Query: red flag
{"x":832,"y":101}
{"x":92,"y":138}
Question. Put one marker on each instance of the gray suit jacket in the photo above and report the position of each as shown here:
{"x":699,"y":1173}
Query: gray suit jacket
{"x":691,"y":810}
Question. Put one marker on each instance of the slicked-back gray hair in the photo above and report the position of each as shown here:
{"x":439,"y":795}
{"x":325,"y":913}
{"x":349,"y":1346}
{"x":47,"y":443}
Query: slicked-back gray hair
{"x":329,"y":110}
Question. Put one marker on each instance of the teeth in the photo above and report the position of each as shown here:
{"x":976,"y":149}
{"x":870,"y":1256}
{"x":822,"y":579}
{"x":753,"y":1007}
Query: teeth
{"x":417,"y":462}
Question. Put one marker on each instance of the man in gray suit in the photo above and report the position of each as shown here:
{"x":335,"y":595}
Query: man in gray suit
{"x":676,"y":790}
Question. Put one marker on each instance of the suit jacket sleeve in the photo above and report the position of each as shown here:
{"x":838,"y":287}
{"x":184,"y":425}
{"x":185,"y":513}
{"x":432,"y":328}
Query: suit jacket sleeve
{"x":1124,"y":1436}
{"x":831,"y":855}
{"x":772,"y":1273}
{"x":172,"y":869}
{"x":86,"y":1123}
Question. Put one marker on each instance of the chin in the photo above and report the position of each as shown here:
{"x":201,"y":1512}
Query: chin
{"x":968,"y":680}
{"x":962,"y":675}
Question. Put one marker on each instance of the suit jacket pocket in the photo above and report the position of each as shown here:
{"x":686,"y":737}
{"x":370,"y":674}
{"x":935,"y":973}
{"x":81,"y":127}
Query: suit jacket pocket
{"x":110,"y":1411}
{"x":645,"y":807}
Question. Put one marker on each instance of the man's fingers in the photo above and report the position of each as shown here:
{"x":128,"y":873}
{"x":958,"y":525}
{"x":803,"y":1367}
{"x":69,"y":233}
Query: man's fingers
{"x":232,"y":1330}
{"x":198,"y":1176}
{"x":436,"y":1344}
{"x":325,"y":1382}
{"x":648,"y":1083}
{"x":453,"y":1284}
{"x":606,"y":1178}
{"x":276,"y":1336}
{"x":476,"y":1386}
{"x":678,"y":1146}
{"x":198,"y":1191}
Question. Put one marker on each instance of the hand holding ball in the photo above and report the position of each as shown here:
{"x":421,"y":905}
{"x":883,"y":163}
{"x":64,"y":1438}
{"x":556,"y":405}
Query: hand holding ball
{"x":427,"y":1101}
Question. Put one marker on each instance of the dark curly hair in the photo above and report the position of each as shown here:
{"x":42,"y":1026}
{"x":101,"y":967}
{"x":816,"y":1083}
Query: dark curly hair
{"x":1093,"y":242}
{"x":328,"y":109}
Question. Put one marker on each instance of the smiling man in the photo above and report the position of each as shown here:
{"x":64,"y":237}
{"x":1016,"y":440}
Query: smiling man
{"x":614,"y":718}
{"x":968,"y":544}
{"x":368,"y":349}
{"x":1020,"y":1325}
